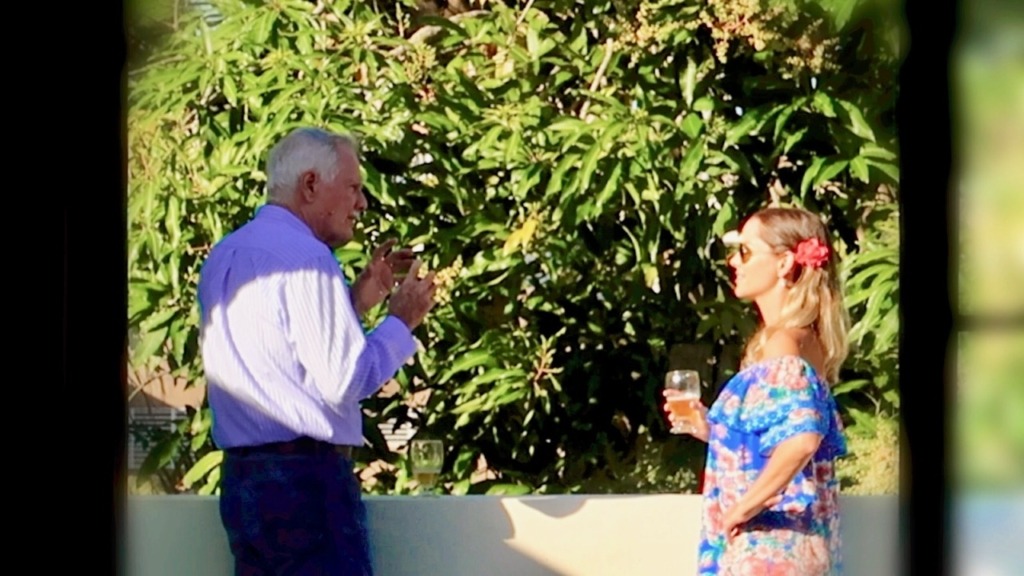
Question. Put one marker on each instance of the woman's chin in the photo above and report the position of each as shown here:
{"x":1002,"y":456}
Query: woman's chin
{"x":740,"y":293}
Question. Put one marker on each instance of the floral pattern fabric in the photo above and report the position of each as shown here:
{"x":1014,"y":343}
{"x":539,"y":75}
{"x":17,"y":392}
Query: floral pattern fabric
{"x":764,"y":404}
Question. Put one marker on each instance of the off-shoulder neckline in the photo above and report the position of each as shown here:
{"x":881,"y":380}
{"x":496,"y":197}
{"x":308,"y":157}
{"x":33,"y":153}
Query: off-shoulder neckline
{"x":788,"y":357}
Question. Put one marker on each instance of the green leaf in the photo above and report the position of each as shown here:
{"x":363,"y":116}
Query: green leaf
{"x":467,"y":361}
{"x":692,"y":125}
{"x":810,"y":174}
{"x":792,"y":140}
{"x":882,"y":270}
{"x":864,"y":420}
{"x":463,"y":419}
{"x":637,"y":251}
{"x":160,"y":455}
{"x":477,"y":99}
{"x":512,"y":147}
{"x":705,"y":325}
{"x":495,"y":375}
{"x":841,"y":11}
{"x":202,"y":468}
{"x":688,"y":82}
{"x":875,"y":151}
{"x":880,"y":286}
{"x":823,"y":103}
{"x":558,"y":174}
{"x":212,"y":483}
{"x":470,"y":406}
{"x":565,"y":124}
{"x":890,"y":170}
{"x":723,"y":220}
{"x":859,"y":170}
{"x":849,"y":386}
{"x":149,"y":345}
{"x":611,"y":186}
{"x":173,"y":220}
{"x":783,"y":117}
{"x":464,"y":462}
{"x":528,"y":178}
{"x":508,"y":490}
{"x":892,"y":397}
{"x":529,"y":416}
{"x":508,"y":396}
{"x":692,"y":161}
{"x":885,"y":336}
{"x":829,"y":170}
{"x":304,"y":43}
{"x":595,"y":153}
{"x":704,"y":104}
{"x":140,"y":301}
{"x":230,"y":90}
{"x":178,"y":333}
{"x":201,"y":421}
{"x":856,"y":122}
{"x":861,"y":259}
{"x":876,"y":302}
{"x":533,"y":42}
{"x":199,"y":440}
{"x":744,"y":127}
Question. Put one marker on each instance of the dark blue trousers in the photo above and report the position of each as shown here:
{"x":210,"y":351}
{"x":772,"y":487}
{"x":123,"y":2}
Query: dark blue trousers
{"x":294,"y":515}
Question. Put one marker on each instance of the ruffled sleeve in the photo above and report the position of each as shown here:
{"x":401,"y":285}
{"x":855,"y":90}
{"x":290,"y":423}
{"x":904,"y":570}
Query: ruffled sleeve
{"x":777,"y":399}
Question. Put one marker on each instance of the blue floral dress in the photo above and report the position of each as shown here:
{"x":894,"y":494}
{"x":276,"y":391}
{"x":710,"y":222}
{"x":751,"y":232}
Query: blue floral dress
{"x":762,"y":405}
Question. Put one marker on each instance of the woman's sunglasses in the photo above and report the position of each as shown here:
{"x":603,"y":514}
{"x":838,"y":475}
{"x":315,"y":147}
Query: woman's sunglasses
{"x":743,"y":250}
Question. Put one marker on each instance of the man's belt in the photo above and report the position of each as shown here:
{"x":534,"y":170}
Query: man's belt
{"x":303,"y":445}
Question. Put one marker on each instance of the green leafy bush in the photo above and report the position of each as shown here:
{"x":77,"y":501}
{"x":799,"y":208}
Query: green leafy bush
{"x":567,"y":165}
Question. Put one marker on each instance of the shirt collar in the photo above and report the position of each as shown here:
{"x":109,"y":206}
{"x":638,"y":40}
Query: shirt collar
{"x":281,"y":214}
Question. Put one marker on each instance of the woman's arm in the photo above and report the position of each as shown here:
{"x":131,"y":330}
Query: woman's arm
{"x":788,"y":458}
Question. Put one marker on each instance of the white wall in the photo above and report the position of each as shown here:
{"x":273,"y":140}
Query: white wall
{"x":629,"y":535}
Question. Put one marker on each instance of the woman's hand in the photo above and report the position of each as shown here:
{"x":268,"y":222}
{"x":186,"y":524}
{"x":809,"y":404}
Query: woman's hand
{"x":741,"y":513}
{"x":696,"y":427}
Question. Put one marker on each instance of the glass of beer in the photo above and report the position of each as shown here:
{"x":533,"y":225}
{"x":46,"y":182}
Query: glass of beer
{"x":427,"y":457}
{"x":685,"y":390}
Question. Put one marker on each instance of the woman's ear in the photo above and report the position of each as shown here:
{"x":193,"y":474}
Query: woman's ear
{"x":787,"y":264}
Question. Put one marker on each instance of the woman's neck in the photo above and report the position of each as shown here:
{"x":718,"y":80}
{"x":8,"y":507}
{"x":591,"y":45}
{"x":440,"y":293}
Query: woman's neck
{"x":769,"y":306}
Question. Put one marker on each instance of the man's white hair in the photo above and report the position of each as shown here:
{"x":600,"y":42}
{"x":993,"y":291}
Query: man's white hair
{"x":302,"y":150}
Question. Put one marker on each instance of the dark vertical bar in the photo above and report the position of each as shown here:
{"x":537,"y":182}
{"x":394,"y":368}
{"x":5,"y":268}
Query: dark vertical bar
{"x":928,"y":245}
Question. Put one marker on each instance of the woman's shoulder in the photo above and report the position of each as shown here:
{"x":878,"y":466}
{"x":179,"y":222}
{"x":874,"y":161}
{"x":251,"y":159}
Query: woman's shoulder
{"x":790,"y":351}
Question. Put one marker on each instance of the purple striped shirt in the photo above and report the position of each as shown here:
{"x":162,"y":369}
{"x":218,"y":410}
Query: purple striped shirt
{"x":284,"y":351}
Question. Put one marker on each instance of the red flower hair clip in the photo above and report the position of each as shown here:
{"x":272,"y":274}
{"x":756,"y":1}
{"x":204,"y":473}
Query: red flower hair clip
{"x":811,"y":253}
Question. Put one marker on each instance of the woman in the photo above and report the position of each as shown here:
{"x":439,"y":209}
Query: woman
{"x":774,"y":433}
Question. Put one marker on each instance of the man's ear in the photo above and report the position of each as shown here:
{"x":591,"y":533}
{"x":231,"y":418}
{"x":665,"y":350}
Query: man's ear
{"x":307,"y":186}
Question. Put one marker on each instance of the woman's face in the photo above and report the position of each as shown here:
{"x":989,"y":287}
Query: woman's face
{"x":755,"y":265}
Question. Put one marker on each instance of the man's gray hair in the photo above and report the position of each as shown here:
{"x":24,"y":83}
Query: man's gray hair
{"x":302,"y":150}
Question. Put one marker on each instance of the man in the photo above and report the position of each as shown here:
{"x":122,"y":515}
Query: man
{"x":287,"y":361}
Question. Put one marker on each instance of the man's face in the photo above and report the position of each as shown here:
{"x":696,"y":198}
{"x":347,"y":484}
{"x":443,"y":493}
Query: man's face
{"x":338,"y":203}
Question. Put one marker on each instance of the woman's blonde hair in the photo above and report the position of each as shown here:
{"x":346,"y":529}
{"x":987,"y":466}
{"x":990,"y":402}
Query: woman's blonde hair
{"x":815,"y":299}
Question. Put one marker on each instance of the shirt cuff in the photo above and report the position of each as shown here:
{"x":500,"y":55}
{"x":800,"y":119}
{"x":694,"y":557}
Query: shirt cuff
{"x":397,"y":338}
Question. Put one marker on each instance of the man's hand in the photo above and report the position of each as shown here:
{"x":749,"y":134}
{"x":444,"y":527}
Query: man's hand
{"x":377,"y":281}
{"x":414,"y":297}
